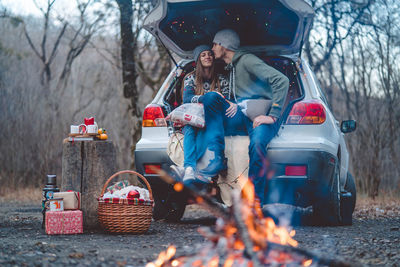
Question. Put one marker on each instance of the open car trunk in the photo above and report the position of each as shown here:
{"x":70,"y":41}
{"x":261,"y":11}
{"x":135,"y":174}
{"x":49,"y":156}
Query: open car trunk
{"x":270,"y":29}
{"x":276,"y":27}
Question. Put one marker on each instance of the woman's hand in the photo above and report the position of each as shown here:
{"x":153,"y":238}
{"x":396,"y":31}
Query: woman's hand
{"x":262,"y":119}
{"x":231,"y":111}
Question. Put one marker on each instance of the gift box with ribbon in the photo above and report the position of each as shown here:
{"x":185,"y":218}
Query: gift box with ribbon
{"x":72,"y":199}
{"x":64,"y":222}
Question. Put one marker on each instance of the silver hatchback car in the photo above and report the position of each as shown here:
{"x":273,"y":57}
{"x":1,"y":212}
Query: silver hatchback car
{"x":309,"y":155}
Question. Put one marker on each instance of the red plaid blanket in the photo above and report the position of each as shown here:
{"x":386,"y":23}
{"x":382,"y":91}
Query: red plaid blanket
{"x":129,"y":201}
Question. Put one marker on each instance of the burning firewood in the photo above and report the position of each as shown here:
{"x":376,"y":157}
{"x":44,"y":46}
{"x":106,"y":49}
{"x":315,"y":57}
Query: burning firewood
{"x":242,"y":236}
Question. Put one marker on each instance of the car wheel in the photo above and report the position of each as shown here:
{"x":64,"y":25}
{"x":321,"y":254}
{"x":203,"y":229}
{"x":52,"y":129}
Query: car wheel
{"x":175,"y":212}
{"x":160,"y":210}
{"x":167,"y":209}
{"x":327,"y":210}
{"x":348,"y":201}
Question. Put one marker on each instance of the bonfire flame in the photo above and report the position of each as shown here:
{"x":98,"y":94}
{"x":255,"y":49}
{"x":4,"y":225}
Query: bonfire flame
{"x":230,"y":240}
{"x":262,"y":229}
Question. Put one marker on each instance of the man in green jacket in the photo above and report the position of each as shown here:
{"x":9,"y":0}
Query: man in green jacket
{"x":252,"y":78}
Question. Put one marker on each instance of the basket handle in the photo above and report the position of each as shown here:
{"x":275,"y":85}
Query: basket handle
{"x":131,"y":172}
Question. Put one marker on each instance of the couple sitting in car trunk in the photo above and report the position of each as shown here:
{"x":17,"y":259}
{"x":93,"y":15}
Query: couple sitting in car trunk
{"x":223,"y":99}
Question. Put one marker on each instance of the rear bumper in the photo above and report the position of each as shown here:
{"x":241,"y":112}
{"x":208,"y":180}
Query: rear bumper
{"x":300,"y":190}
{"x":296,"y":190}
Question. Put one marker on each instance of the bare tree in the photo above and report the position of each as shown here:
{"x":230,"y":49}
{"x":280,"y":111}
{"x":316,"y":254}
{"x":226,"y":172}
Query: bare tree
{"x":332,"y":17}
{"x":128,"y":45}
{"x":41,"y":52}
{"x":80,"y":37}
{"x":134,"y":55}
{"x":39,"y":104}
{"x":55,"y":89}
{"x":359,"y":65}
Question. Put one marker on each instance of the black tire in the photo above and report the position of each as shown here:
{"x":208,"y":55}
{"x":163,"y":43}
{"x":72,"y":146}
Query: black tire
{"x":175,"y":212}
{"x":348,"y":203}
{"x":168,"y":209}
{"x":160,"y":210}
{"x":327,"y":210}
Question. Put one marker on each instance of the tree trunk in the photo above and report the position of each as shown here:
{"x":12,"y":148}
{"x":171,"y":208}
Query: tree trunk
{"x":86,"y":166}
{"x":129,"y":74}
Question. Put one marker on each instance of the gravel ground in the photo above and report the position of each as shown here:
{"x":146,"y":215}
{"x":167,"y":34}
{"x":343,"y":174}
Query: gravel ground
{"x":374,"y":239}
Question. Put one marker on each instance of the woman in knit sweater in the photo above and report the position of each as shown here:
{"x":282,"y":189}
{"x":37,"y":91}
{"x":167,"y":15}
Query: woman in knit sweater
{"x":204,"y":85}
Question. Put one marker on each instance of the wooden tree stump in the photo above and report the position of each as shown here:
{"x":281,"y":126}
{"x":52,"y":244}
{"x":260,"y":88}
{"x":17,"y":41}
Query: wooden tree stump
{"x":86,"y":166}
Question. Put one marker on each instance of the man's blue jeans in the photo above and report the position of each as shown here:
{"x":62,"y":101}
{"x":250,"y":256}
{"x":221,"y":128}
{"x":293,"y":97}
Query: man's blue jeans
{"x":197,"y":140}
{"x":211,"y":137}
{"x":258,"y":166}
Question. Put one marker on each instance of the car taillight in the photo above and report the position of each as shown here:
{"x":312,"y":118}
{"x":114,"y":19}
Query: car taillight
{"x":152,"y":168}
{"x":153,"y":116}
{"x":307,"y":112}
{"x":291,"y":170}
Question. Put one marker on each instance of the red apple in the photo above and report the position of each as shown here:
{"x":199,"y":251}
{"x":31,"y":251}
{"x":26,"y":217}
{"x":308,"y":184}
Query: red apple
{"x":133,"y":194}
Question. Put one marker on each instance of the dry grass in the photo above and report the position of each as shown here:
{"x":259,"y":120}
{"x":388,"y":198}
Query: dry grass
{"x":382,"y":206}
{"x":23,"y":195}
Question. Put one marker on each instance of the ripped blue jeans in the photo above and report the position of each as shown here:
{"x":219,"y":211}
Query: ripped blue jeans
{"x":211,"y":137}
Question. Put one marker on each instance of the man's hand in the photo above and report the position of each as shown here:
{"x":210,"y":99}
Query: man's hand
{"x":262,"y":119}
{"x":231,"y":111}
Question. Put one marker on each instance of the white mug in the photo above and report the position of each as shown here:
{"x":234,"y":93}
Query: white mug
{"x":74,"y":129}
{"x":92,"y":129}
{"x":56,"y":204}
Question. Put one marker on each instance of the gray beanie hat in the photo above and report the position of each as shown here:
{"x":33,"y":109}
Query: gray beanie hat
{"x":227,"y":38}
{"x":201,"y":48}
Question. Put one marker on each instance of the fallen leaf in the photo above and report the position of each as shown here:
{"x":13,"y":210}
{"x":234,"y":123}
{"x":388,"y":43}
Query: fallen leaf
{"x":77,"y":255}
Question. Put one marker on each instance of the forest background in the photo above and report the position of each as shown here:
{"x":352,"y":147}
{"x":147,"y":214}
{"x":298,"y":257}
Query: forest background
{"x":57,"y":67}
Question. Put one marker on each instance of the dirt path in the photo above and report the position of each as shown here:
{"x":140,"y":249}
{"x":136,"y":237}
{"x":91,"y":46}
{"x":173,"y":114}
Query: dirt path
{"x":372,"y":240}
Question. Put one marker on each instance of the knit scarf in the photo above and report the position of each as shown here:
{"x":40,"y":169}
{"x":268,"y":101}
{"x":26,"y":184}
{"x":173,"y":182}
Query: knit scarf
{"x":232,"y":75}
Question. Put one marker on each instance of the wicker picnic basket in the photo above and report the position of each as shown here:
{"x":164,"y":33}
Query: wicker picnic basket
{"x":125,"y":216}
